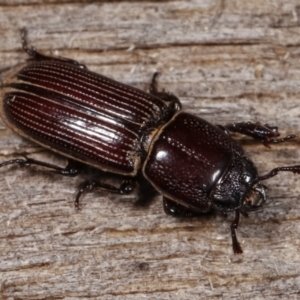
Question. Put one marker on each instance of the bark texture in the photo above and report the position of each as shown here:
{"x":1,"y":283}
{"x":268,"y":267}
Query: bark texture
{"x":227,"y":61}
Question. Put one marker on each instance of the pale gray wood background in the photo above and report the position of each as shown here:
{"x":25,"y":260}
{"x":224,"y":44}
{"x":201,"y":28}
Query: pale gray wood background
{"x":229,"y":60}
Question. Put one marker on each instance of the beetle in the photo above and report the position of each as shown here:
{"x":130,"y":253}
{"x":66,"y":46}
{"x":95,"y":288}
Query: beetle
{"x":93,"y":120}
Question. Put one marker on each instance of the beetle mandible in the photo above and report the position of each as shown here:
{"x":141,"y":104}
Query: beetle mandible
{"x":93,"y":120}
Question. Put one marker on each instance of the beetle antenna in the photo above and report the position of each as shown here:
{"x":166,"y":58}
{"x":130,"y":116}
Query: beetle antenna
{"x":274,"y":172}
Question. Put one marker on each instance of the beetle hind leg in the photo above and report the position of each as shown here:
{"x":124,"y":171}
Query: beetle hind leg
{"x":126,"y":187}
{"x":31,"y":51}
{"x":72,"y":169}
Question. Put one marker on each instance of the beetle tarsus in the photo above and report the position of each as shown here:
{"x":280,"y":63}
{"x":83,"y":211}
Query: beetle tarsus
{"x":274,"y":172}
{"x":153,"y":88}
{"x":70,"y":170}
{"x":244,"y":213}
{"x":237,"y":249}
{"x":165,"y":96}
{"x":31,"y":51}
{"x":126,"y":187}
{"x":266,"y":142}
{"x":265,"y":133}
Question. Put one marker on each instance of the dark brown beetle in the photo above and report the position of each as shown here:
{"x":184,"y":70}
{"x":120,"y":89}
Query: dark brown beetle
{"x":91,"y":119}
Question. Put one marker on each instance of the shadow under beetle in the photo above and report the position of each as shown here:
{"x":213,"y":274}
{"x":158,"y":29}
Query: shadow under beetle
{"x":93,"y":120}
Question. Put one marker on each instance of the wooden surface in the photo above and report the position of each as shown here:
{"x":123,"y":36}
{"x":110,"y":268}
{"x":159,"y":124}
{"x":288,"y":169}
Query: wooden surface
{"x":230,"y":60}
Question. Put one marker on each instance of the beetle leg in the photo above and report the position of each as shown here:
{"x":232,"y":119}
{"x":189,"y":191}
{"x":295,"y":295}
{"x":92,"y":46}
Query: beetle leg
{"x":244,"y":213}
{"x":223,"y":128}
{"x":237,"y":249}
{"x":72,"y":169}
{"x":178,"y":210}
{"x":265,"y":133}
{"x":31,"y":51}
{"x":165,"y":96}
{"x":126,"y":187}
{"x":274,"y":172}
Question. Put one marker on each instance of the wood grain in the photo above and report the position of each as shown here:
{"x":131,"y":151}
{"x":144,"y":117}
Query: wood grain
{"x":227,"y":61}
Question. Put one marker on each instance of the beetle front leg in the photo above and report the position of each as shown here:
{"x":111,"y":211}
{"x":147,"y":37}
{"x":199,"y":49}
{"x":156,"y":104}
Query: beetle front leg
{"x":237,"y":249}
{"x":72,"y":169}
{"x":177,"y":210}
{"x":265,"y":133}
{"x":126,"y":187}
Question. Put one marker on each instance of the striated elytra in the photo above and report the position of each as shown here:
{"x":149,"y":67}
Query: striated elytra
{"x":93,"y":120}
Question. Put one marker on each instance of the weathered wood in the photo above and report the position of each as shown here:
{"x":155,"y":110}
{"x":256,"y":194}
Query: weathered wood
{"x":227,"y":61}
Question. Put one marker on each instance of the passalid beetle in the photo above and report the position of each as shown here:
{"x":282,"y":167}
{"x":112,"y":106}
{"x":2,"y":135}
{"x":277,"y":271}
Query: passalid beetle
{"x":93,"y":120}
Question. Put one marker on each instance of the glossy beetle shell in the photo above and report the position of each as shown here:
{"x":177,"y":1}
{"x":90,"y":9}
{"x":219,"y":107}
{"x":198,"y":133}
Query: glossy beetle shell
{"x":79,"y":114}
{"x":191,"y":146}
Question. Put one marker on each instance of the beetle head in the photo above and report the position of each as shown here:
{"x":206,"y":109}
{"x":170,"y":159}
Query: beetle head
{"x":239,"y":187}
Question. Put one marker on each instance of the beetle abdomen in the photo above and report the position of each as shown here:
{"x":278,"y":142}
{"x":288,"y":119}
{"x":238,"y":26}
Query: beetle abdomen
{"x":80,"y":114}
